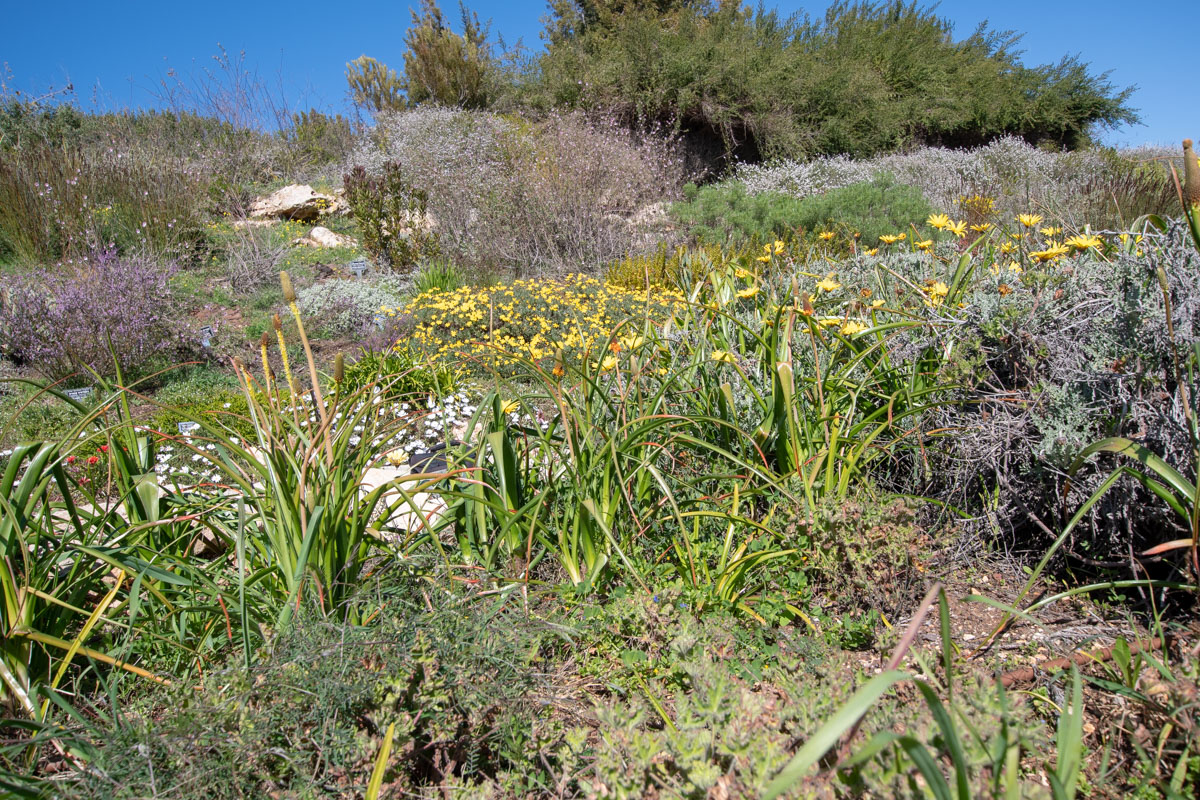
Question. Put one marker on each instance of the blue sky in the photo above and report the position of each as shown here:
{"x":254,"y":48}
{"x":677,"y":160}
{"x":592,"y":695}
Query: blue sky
{"x":117,"y":52}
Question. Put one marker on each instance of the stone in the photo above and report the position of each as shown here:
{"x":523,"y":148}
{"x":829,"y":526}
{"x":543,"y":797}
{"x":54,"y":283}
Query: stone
{"x":416,"y":222}
{"x":296,"y":202}
{"x":250,"y":224}
{"x":323,"y":237}
{"x":652,"y":216}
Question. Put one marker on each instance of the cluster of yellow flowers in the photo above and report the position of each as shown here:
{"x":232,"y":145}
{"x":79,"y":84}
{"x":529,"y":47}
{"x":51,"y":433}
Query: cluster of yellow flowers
{"x":536,"y":319}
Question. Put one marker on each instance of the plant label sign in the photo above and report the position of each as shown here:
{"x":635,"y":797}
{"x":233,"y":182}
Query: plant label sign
{"x":359,"y":267}
{"x":206,"y":334}
{"x":79,"y":395}
{"x":187,"y":427}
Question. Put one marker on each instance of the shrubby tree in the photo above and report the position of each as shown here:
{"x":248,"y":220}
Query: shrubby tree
{"x":443,"y":66}
{"x":865,"y":78}
{"x":440,"y":66}
{"x":374,"y":85}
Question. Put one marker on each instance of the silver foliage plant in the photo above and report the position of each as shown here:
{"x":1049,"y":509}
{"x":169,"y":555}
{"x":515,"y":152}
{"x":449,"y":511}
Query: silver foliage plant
{"x":350,"y":306}
{"x":1063,"y":359}
{"x":1019,"y":176}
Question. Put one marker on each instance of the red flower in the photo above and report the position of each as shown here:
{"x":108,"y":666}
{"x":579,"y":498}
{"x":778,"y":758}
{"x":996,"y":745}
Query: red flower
{"x":70,"y":459}
{"x":93,"y":460}
{"x":103,"y":448}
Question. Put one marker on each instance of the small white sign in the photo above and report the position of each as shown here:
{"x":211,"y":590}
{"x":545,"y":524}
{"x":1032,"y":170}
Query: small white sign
{"x":206,"y":334}
{"x":79,"y":395}
{"x":359,"y":267}
{"x":187,"y":427}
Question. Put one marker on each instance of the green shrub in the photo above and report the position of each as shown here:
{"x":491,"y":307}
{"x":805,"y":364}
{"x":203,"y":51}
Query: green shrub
{"x":870,"y":209}
{"x":727,"y":213}
{"x":38,"y":421}
{"x":391,"y":216}
{"x":398,"y":373}
{"x":864,"y":78}
{"x":374,"y":85}
{"x":442,"y":67}
{"x":318,"y":138}
{"x":227,"y":408}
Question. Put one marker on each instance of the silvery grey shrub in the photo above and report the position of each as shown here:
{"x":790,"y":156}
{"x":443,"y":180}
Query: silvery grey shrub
{"x":1019,"y":176}
{"x":530,"y":196}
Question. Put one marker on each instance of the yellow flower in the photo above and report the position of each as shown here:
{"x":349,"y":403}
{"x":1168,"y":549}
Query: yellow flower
{"x":397,"y":457}
{"x":1015,"y":268}
{"x":778,"y":247}
{"x":510,"y":407}
{"x":938,"y":289}
{"x":925,"y":245}
{"x":871,"y":252}
{"x":1085,"y":242}
{"x":852,"y":327}
{"x":1007,"y":247}
{"x":828,"y":284}
{"x":982,"y":227}
{"x":959,"y":228}
{"x":829,"y":322}
{"x":1029,"y":220}
{"x":632,"y":341}
{"x":876,"y":303}
{"x":939,"y":221}
{"x":748,"y":292}
{"x":743,"y":273}
{"x":1053,"y":250}
{"x":765,"y":258}
{"x":889,"y":238}
{"x":826,"y":236}
{"x":1050,"y":231}
{"x":722,"y":356}
{"x":609,"y":363}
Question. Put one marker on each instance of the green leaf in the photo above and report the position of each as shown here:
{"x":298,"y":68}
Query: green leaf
{"x":834,"y":728}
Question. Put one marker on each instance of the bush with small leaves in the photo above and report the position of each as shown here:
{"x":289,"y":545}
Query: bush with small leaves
{"x":110,"y":311}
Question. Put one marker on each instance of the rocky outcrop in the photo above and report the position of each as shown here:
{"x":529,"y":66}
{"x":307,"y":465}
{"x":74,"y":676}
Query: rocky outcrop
{"x":298,"y":202}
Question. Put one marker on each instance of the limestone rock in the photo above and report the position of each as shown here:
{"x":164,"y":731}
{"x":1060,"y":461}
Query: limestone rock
{"x":250,"y":224}
{"x":298,"y":201}
{"x":323,"y":237}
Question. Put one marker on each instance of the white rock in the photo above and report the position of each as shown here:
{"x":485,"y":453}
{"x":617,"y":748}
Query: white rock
{"x":244,"y":224}
{"x":323,"y":237}
{"x":298,"y":201}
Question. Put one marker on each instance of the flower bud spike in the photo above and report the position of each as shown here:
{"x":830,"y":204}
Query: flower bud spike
{"x":289,"y":293}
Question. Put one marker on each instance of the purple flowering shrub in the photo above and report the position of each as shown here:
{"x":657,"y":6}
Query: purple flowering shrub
{"x":62,"y":320}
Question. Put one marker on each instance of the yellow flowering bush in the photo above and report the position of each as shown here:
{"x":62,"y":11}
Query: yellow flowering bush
{"x":536,"y":319}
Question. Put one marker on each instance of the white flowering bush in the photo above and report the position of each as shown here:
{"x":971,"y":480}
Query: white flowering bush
{"x":553,"y":195}
{"x":1075,"y":187}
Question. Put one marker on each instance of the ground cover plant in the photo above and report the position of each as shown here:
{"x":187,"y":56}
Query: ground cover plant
{"x":834,"y":477}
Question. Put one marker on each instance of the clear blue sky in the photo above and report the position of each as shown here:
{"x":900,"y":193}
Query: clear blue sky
{"x":118,"y":51}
